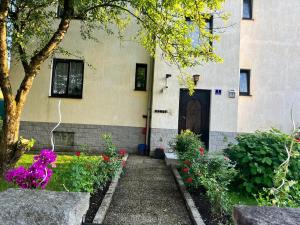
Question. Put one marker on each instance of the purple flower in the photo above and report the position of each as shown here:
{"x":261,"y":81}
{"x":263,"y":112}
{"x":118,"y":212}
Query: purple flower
{"x":37,"y":175}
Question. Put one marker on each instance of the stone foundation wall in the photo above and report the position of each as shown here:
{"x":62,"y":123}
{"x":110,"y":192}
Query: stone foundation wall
{"x":161,"y":138}
{"x":217,"y":140}
{"x":84,"y":134}
{"x":220,"y":140}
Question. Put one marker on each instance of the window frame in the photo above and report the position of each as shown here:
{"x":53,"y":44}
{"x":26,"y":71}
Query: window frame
{"x":144,"y":65}
{"x":55,"y":62}
{"x":248,"y":73}
{"x":209,"y":21}
{"x":251,"y":11}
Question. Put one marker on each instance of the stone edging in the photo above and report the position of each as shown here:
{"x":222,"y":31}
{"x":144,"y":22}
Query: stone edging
{"x":99,"y":218}
{"x":192,"y":209}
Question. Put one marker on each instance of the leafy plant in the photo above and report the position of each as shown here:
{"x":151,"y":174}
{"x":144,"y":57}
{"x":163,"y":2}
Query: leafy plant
{"x":285,"y":192}
{"x":185,"y":145}
{"x":88,"y":173}
{"x":198,"y":169}
{"x":258,"y":156}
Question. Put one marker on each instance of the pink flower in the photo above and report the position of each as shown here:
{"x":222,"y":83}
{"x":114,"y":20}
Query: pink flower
{"x":189,"y":180}
{"x":185,"y":170}
{"x":77,"y":153}
{"x":122,"y":152}
{"x":226,"y":158}
{"x":123,"y":163}
{"x":298,"y":140}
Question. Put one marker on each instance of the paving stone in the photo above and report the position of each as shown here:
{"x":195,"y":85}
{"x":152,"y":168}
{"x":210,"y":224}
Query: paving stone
{"x":147,"y":195}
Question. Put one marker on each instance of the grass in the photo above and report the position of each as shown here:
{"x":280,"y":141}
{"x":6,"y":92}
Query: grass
{"x":55,"y":184}
{"x":238,"y":198}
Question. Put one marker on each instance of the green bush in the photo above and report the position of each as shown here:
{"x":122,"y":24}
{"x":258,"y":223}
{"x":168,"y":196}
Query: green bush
{"x":187,"y":145}
{"x":258,"y":155}
{"x":199,"y":170}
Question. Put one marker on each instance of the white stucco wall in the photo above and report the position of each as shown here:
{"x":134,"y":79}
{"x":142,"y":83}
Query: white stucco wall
{"x":270,"y":47}
{"x":108,"y":88}
{"x":225,"y":76}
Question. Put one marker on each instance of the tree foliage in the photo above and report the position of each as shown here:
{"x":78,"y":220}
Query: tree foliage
{"x":32,"y":32}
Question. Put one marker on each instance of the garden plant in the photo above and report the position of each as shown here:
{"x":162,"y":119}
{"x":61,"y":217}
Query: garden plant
{"x":258,"y":156}
{"x":204,"y":172}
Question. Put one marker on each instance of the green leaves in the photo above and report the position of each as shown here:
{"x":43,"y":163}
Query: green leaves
{"x":162,"y":26}
{"x":258,"y":156}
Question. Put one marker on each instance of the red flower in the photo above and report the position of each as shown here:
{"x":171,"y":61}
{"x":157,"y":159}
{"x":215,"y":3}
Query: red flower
{"x":187,"y":162}
{"x":201,"y":151}
{"x":123,"y":163}
{"x":185,"y":170}
{"x":105,"y":158}
{"x":77,"y":154}
{"x":122,"y":152}
{"x":298,"y":140}
{"x":189,"y":180}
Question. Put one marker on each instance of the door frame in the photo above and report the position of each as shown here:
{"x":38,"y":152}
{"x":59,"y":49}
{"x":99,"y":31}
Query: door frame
{"x":209,"y":92}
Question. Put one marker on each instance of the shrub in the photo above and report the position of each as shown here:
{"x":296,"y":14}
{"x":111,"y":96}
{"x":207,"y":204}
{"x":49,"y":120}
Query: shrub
{"x":185,"y":145}
{"x":258,"y":155}
{"x":198,"y":169}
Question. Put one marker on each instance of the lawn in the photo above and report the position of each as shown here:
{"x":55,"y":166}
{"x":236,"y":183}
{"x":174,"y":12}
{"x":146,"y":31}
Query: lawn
{"x":238,"y":198}
{"x":55,"y":184}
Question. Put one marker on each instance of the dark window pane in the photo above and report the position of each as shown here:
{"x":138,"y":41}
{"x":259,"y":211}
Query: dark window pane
{"x":141,"y":77}
{"x":75,"y":78}
{"x":60,"y":78}
{"x":247,"y":9}
{"x":67,"y":78}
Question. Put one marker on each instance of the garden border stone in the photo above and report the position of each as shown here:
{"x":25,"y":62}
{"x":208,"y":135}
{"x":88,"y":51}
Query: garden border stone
{"x":99,"y":218}
{"x":263,"y":215}
{"x":40,"y":207}
{"x":192,"y":209}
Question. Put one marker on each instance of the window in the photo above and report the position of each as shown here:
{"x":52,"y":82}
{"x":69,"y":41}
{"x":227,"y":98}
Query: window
{"x":245,"y":82}
{"x":141,"y":77}
{"x":247,"y":9}
{"x":64,"y":138}
{"x":67,"y":78}
{"x":196,"y":41}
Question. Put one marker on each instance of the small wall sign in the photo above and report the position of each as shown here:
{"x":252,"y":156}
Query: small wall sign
{"x":160,"y":111}
{"x":218,"y":92}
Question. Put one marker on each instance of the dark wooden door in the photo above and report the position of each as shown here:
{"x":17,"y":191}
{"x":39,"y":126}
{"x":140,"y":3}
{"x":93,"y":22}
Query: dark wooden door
{"x":194,"y":113}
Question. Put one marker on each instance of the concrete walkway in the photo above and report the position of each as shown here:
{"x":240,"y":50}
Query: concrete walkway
{"x":147,"y":195}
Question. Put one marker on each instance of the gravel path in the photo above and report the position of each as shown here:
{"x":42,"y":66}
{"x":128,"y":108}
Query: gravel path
{"x":147,"y":195}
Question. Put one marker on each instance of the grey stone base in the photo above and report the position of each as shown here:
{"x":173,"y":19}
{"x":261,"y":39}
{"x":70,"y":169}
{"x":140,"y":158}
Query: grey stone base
{"x":84,"y":135}
{"x":254,"y":215}
{"x":36,"y":207}
{"x":161,"y":138}
{"x":219,"y":140}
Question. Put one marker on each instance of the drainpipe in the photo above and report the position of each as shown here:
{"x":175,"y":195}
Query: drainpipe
{"x":149,"y":106}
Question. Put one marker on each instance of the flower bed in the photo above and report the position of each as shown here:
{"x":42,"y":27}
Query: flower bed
{"x":262,"y":168}
{"x":207,"y":178}
{"x":76,"y":173}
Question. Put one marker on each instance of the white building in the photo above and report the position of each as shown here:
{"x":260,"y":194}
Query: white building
{"x":125,"y":93}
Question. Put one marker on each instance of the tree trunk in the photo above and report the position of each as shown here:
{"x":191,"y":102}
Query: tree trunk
{"x":10,"y":148}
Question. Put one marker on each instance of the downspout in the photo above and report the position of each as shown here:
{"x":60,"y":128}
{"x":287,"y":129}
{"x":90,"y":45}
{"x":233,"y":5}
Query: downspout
{"x":149,"y":106}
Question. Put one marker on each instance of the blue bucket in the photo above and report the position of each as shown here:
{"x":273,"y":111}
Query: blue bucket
{"x":142,"y":149}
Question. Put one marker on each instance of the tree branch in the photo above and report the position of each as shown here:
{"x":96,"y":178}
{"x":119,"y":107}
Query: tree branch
{"x":44,"y":53}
